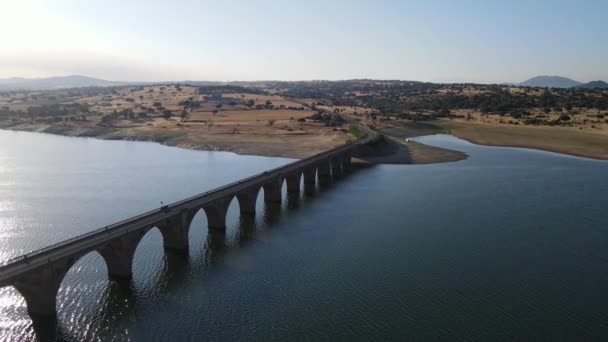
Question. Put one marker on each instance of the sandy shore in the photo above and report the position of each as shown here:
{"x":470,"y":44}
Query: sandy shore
{"x":269,"y":145}
{"x":566,"y":140}
{"x":394,"y":151}
{"x":588,"y":143}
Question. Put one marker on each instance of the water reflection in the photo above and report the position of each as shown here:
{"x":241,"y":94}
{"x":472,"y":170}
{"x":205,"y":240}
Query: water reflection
{"x":174,"y":271}
{"x":215,"y":247}
{"x":272,"y":213}
{"x":247,"y":230}
{"x":293,"y":201}
{"x":117,"y":302}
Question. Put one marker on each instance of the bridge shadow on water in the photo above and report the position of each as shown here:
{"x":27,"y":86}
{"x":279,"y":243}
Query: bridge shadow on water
{"x":120,"y":300}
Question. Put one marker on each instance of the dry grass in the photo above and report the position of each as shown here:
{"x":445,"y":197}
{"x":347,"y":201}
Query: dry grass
{"x":567,"y":140}
{"x":584,"y":120}
{"x":238,"y":128}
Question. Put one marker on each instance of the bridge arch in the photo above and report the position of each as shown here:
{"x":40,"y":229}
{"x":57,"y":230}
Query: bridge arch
{"x":42,"y":288}
{"x":83,"y":283}
{"x":147,"y":253}
{"x":197,"y":232}
{"x":233,"y":215}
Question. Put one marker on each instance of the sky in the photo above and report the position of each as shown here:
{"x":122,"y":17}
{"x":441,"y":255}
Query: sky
{"x":483,"y":41}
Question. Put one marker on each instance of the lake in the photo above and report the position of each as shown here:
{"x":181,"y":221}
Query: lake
{"x":509,"y":244}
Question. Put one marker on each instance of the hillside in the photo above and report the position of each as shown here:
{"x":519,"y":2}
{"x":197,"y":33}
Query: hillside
{"x":594,"y":85}
{"x":550,"y":81}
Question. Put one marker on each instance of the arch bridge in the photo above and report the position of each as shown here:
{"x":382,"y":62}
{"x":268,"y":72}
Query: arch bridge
{"x":38,"y":275}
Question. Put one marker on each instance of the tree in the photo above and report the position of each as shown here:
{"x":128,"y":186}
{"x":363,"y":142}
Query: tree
{"x":444,"y":112}
{"x":250,"y":103}
{"x":167,"y":114}
{"x":270,"y":123}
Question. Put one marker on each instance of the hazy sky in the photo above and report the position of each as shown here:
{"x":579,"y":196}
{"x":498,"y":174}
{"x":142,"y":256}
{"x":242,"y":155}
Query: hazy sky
{"x":444,"y":41}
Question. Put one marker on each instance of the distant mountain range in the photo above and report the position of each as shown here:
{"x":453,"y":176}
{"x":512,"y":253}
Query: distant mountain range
{"x":560,"y":82}
{"x":18,"y":83}
{"x":74,"y":81}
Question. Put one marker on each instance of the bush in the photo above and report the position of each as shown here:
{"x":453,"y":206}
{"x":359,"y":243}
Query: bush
{"x":356,"y":131}
{"x":377,"y":140}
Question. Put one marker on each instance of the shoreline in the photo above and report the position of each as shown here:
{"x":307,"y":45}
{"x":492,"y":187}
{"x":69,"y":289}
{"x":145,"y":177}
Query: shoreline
{"x":292,"y":146}
{"x":404,"y":153}
{"x":567,"y":141}
{"x":530,"y":147}
{"x":251,"y":145}
{"x":393,"y":151}
{"x":564,"y":141}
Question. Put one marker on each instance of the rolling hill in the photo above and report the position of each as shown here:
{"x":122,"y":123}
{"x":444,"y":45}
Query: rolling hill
{"x":594,"y":84}
{"x":551,"y":82}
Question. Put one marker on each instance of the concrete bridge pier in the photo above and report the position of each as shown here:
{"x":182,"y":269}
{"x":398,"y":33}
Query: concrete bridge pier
{"x":324,"y":173}
{"x":39,"y":289}
{"x":310,"y":180}
{"x":272,"y":190}
{"x":175,"y":231}
{"x":336,"y":167}
{"x":118,"y":254}
{"x":216,"y":213}
{"x":346,"y":163}
{"x":293,"y":183}
{"x":247,"y":201}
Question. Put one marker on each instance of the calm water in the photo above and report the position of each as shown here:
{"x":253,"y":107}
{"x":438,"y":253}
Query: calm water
{"x":510,"y":244}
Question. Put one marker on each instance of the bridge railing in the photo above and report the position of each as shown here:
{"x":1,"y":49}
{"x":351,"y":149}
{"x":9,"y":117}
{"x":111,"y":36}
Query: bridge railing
{"x":151,"y":213}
